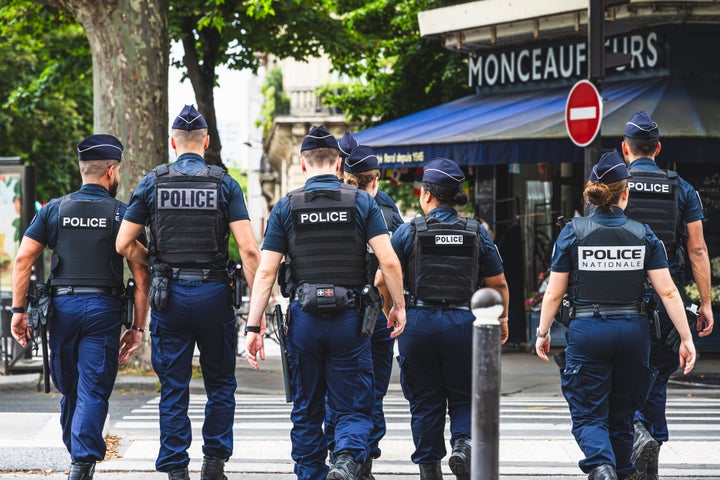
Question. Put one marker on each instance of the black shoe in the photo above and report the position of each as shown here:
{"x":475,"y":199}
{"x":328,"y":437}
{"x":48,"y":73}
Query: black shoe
{"x":645,"y":447}
{"x":81,"y":471}
{"x":431,"y":471}
{"x":459,"y":460}
{"x":179,"y":474}
{"x":365,"y":470}
{"x":603,"y":472}
{"x":212,"y":468}
{"x":652,"y":466}
{"x":344,"y":468}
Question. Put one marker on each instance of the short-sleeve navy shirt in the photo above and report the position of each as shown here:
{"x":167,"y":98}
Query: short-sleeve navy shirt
{"x":402,"y":241}
{"x":369,"y":221}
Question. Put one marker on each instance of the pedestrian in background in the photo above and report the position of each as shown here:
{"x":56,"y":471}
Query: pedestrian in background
{"x":322,"y":229}
{"x":86,"y":285}
{"x":191,"y":208}
{"x":445,"y":259}
{"x":672,"y":208}
{"x":603,"y":260}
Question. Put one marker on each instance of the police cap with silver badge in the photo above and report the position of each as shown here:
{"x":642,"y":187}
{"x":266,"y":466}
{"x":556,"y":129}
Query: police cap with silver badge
{"x":443,"y":172}
{"x":319,"y":137}
{"x":346,"y":144}
{"x":610,"y":168}
{"x":641,"y":127}
{"x":189,"y":119}
{"x":100,"y":147}
{"x":361,"y":159}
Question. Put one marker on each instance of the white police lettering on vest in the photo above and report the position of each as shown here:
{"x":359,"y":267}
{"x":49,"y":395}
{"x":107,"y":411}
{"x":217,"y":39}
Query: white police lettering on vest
{"x":84,"y":222}
{"x":328,"y":216}
{"x":611,"y":258}
{"x":448,"y":239}
{"x":187,"y":198}
{"x":649,"y":187}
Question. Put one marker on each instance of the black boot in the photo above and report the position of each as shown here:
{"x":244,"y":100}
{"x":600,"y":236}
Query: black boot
{"x":430,"y":471}
{"x":344,"y":468}
{"x":81,"y":471}
{"x":365,"y":470}
{"x":179,"y":474}
{"x":459,"y":460}
{"x":652,"y":466}
{"x":212,"y":468}
{"x":603,"y":472}
{"x":645,"y":447}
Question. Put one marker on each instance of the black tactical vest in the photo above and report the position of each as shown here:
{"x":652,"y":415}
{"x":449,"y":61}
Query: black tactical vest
{"x":444,"y":264}
{"x":372,"y":262}
{"x":190,"y":226}
{"x":654,"y":201}
{"x":325,"y":246}
{"x":611,"y":263}
{"x":84,"y":254}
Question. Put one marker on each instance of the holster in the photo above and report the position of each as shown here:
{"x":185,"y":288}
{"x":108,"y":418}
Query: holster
{"x":672,"y":341}
{"x":563,"y":315}
{"x":235,"y":279}
{"x":159,"y":292}
{"x":284,"y":279}
{"x":128,"y":303}
{"x":39,"y":313}
{"x":651,"y":311}
{"x":371,"y":303}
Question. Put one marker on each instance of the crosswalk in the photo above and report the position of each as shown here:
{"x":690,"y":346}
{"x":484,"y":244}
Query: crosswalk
{"x":535,"y":437}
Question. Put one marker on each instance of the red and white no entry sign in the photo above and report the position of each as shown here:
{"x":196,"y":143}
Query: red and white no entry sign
{"x":583,"y":113}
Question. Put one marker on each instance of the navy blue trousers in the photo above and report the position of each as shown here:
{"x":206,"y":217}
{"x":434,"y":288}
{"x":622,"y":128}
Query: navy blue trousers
{"x":328,"y":356}
{"x":436,"y":376}
{"x":606,"y":378}
{"x":84,"y":344}
{"x":197,"y":313}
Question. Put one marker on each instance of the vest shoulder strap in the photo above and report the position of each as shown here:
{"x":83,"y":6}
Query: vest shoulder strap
{"x":216,"y":172}
{"x":161,"y":170}
{"x":582,"y":227}
{"x":420,"y":224}
{"x":472,"y":225}
{"x":636,"y":228}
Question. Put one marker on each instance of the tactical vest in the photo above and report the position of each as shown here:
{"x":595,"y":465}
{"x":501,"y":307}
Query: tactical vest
{"x":325,"y":246}
{"x":444,"y":263}
{"x":611,"y":263}
{"x":84,"y":254}
{"x":190,"y":226}
{"x":654,"y":201}
{"x":372,"y":262}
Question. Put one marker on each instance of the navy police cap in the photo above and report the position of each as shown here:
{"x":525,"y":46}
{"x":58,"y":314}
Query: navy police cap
{"x":189,"y":119}
{"x":641,"y":127}
{"x":346,"y":144}
{"x":361,"y":159}
{"x":319,"y":137}
{"x":610,"y":168}
{"x":443,"y":172}
{"x":100,"y":147}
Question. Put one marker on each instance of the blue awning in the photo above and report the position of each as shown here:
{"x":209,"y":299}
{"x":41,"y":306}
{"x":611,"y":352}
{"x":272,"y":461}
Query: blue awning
{"x":529,"y":126}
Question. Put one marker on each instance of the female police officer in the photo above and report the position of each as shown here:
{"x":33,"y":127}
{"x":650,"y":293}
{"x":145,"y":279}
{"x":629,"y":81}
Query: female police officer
{"x":444,"y":258}
{"x":604,"y":259}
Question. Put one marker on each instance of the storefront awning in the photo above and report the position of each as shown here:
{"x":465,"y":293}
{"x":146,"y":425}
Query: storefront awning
{"x":529,"y":126}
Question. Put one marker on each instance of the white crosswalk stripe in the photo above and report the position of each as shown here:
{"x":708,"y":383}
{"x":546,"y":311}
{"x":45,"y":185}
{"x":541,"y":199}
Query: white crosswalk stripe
{"x":535,"y":437}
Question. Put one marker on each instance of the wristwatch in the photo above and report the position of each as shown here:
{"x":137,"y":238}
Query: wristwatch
{"x":18,"y":310}
{"x":541,"y":335}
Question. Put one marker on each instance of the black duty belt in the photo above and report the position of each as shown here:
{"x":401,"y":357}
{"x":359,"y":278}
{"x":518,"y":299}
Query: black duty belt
{"x":113,"y":292}
{"x":447,"y":306}
{"x":597,"y":310}
{"x":199,"y":275}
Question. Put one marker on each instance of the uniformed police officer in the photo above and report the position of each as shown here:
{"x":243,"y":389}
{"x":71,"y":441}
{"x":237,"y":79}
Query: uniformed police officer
{"x":361,"y":169}
{"x":323,"y":228}
{"x":191,"y":208}
{"x":604,"y":258}
{"x":445,"y":258}
{"x":672,"y":208}
{"x":86,"y":281}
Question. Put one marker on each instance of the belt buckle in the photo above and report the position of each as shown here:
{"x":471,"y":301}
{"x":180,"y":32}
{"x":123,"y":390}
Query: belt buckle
{"x":596,"y":310}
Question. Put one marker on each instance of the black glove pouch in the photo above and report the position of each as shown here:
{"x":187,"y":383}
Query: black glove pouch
{"x":159,"y":293}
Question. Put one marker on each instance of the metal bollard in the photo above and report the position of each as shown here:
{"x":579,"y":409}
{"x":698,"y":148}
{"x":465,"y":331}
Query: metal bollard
{"x":486,"y":305}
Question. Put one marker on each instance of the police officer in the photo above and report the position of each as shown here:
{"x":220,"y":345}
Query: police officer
{"x":672,"y":208}
{"x":604,"y":259}
{"x":191,"y":208}
{"x":86,"y":283}
{"x":445,"y":258}
{"x":323,"y":229}
{"x":361,"y":169}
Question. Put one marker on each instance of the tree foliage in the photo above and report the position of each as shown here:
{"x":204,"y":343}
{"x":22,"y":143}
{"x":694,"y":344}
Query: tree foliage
{"x":46,"y":92}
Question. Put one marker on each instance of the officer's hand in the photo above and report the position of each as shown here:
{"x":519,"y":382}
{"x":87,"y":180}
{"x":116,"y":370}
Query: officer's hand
{"x":542,"y":346}
{"x":254,"y":345}
{"x":129,"y":342}
{"x":687,"y":356}
{"x":705,"y":321}
{"x":504,"y":332}
{"x":396,"y":320}
{"x":20,"y":330}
